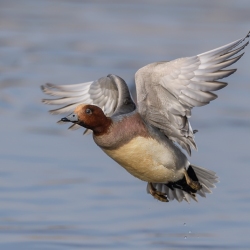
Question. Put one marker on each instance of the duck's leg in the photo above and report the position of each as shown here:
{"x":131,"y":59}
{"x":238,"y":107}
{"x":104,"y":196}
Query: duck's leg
{"x":157,"y":194}
{"x":193,"y":184}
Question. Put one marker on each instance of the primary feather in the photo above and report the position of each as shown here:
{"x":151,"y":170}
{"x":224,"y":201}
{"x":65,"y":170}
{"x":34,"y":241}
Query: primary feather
{"x":167,"y":91}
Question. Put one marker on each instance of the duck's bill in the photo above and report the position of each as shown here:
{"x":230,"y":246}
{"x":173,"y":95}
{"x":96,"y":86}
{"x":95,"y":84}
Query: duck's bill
{"x":65,"y":119}
{"x":70,"y":118}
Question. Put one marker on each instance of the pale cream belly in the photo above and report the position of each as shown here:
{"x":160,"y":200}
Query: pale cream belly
{"x":148,"y":160}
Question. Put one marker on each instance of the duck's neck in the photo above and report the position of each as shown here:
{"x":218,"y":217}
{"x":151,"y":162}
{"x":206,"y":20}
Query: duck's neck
{"x":102,"y":127}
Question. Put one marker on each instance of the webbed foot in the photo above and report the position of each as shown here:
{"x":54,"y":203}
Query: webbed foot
{"x":157,"y":194}
{"x":193,"y":184}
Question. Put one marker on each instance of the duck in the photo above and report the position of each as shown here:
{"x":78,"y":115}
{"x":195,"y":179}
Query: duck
{"x":149,"y":138}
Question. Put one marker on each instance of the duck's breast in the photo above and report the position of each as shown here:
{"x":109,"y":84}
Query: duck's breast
{"x":148,"y":160}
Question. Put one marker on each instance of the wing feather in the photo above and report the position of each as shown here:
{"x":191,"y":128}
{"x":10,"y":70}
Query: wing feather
{"x":167,"y":91}
{"x":109,"y":93}
{"x":207,"y":86}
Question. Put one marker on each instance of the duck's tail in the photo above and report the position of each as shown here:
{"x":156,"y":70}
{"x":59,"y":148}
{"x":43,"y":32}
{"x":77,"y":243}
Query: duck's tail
{"x":180,"y":190}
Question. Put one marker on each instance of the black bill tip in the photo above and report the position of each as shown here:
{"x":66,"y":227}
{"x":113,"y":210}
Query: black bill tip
{"x":64,"y":119}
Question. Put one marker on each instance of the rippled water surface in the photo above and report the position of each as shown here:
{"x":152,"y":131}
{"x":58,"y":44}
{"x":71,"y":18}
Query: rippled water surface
{"x":57,"y":189}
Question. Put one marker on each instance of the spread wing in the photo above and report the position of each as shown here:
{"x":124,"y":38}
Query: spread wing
{"x":109,"y":93}
{"x":167,"y":91}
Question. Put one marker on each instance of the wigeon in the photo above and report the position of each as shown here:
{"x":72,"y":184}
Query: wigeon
{"x":143,"y":138}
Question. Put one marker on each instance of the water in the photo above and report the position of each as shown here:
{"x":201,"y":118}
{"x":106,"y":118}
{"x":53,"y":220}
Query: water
{"x":57,"y":189}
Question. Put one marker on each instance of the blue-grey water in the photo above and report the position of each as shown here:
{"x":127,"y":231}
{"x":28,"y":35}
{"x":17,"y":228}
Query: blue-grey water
{"x":58,"y":190}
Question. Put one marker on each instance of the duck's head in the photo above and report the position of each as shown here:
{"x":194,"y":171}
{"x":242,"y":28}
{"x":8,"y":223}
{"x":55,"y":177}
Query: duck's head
{"x":91,"y":117}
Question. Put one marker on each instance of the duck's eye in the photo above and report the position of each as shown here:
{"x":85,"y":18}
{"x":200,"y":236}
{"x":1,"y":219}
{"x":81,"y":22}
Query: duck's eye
{"x":88,"y":111}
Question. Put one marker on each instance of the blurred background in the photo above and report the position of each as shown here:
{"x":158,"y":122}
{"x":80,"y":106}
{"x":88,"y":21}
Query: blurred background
{"x":58,"y":190}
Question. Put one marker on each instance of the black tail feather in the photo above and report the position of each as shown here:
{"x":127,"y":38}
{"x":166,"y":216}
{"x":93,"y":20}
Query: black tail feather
{"x":182,"y":184}
{"x":181,"y":191}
